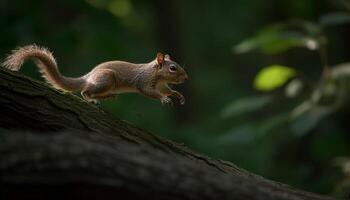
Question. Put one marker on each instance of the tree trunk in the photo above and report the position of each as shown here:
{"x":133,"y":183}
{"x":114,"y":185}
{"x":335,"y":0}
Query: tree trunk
{"x":55,"y":145}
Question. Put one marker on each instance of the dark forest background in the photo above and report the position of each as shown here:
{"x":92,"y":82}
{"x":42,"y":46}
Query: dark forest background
{"x":284,"y":123}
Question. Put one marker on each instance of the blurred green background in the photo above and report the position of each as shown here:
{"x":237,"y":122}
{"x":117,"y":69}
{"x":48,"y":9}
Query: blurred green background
{"x":289,"y":122}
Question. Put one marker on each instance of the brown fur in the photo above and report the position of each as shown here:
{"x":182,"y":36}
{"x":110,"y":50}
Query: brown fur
{"x":44,"y":59}
{"x":109,"y":78}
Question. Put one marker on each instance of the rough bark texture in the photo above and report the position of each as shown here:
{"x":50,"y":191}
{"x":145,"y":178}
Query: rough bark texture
{"x":55,"y":145}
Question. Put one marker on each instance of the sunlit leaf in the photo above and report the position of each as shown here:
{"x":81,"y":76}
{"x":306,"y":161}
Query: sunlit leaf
{"x":334,"y":19}
{"x":272,"y":77}
{"x":245,"y":105}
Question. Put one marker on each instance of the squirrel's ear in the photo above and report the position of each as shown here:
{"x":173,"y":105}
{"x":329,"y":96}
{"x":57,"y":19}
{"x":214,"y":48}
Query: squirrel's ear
{"x":160,"y":59}
{"x":167,"y":57}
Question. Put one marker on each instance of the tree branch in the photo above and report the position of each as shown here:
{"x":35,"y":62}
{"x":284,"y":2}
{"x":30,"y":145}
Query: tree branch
{"x":84,"y":147}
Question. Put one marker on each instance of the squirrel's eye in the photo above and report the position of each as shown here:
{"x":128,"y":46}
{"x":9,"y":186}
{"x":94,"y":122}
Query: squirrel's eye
{"x":172,"y":68}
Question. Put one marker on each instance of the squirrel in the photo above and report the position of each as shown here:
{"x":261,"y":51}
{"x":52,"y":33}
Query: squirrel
{"x":107,"y":79}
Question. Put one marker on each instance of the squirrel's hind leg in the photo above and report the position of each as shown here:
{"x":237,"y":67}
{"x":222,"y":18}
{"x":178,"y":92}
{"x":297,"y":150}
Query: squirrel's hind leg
{"x":99,"y":87}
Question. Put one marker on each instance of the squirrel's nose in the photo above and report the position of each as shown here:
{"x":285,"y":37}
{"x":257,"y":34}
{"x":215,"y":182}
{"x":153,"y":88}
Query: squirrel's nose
{"x":186,"y":77}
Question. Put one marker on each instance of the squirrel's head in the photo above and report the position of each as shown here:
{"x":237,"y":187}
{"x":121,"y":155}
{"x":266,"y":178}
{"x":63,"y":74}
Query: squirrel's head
{"x":168,"y":70}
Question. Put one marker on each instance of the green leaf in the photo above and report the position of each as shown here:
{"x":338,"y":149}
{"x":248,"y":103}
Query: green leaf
{"x":272,"y":77}
{"x":341,"y":71}
{"x":335,"y":19}
{"x":294,"y":88}
{"x":248,"y":132}
{"x":270,"y":42}
{"x":239,"y":135}
{"x":309,"y":27}
{"x":245,"y":105}
{"x":281,"y":37}
{"x":307,"y":116}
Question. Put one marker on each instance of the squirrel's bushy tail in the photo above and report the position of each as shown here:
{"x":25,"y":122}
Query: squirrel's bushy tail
{"x":44,"y":59}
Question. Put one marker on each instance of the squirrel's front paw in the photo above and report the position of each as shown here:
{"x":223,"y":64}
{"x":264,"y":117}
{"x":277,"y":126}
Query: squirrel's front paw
{"x":166,"y":101}
{"x":180,"y":97}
